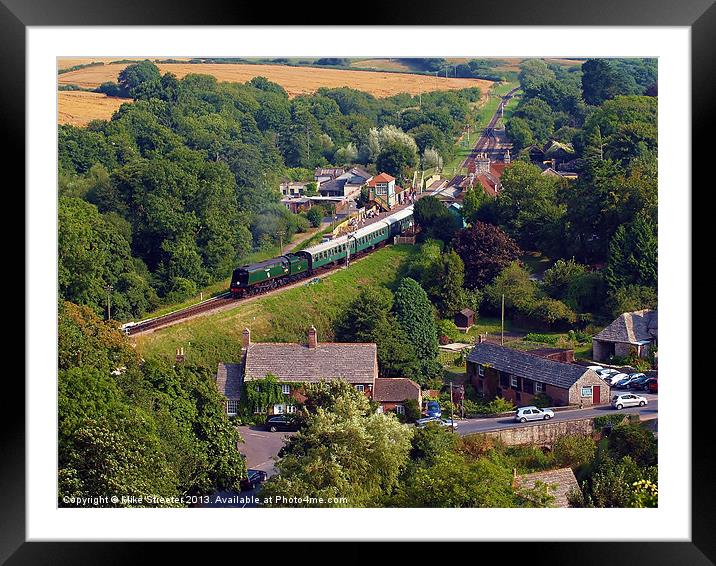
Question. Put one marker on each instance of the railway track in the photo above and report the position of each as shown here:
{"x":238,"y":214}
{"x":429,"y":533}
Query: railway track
{"x":178,"y":315}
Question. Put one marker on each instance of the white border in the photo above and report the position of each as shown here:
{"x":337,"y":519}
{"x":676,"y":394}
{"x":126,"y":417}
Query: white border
{"x":671,"y":521}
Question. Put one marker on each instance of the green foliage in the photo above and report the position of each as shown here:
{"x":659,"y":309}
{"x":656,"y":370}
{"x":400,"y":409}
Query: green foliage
{"x":448,"y":328}
{"x":634,"y":441}
{"x":514,"y":283}
{"x":633,"y":255}
{"x":574,"y":450}
{"x":136,"y":427}
{"x":632,"y":298}
{"x":485,"y":251}
{"x":416,"y":317}
{"x":434,"y":219}
{"x":542,"y":338}
{"x":347,"y":451}
{"x":259,"y":394}
{"x":315,"y":216}
{"x":412,"y":410}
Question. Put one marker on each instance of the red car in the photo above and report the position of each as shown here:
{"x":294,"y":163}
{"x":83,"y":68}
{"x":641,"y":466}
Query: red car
{"x":653,"y":385}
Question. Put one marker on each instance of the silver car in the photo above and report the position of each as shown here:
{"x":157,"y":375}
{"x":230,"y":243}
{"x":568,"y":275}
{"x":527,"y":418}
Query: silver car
{"x":524,"y":414}
{"x":628,"y":400}
{"x":422,"y":423}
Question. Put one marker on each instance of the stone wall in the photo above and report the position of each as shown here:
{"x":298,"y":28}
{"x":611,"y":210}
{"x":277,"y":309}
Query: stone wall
{"x":544,"y":434}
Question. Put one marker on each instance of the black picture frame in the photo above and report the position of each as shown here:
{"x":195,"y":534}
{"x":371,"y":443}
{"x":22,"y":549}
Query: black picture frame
{"x":699,"y":15}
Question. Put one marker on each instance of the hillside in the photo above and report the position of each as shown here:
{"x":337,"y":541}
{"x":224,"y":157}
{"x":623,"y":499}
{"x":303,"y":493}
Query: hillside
{"x":280,"y":317}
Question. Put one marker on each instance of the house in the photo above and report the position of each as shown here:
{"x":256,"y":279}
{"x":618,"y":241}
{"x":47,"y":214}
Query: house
{"x":392,"y":392}
{"x":384,"y":191}
{"x":323,"y":174}
{"x":465,"y":318}
{"x":297,"y":204}
{"x":293,"y":188}
{"x":560,"y":483}
{"x":297,"y":364}
{"x":633,"y":332}
{"x":347,"y":184}
{"x":497,"y":371}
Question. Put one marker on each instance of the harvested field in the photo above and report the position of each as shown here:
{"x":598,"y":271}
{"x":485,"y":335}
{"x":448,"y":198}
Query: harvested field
{"x":296,"y":80}
{"x":382,"y":65}
{"x":79,"y":108}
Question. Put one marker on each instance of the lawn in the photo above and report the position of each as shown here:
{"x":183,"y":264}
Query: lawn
{"x":281,"y":317}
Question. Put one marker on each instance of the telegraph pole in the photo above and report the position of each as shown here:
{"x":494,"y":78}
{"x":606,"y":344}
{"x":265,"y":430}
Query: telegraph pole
{"x":452,"y":416}
{"x":280,"y":242}
{"x":109,"y":290}
{"x":502,"y":335}
{"x":308,"y":141}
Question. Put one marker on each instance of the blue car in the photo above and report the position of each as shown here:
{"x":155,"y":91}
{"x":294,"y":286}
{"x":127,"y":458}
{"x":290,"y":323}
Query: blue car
{"x":434,"y":409}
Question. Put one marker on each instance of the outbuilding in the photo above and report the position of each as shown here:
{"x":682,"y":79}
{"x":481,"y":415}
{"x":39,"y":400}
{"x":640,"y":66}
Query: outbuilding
{"x":497,"y":371}
{"x":465,"y":318}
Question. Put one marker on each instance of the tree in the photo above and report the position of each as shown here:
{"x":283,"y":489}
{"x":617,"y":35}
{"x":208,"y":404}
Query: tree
{"x":315,"y":217}
{"x":515,"y":285}
{"x":139,"y":77}
{"x":451,"y":278}
{"x":434,"y":219}
{"x":485,"y":250}
{"x":559,"y":278}
{"x":574,"y":450}
{"x":599,"y":81}
{"x":416,"y":317}
{"x":632,"y":298}
{"x":396,"y":159}
{"x":343,"y":451}
{"x":633,"y":255}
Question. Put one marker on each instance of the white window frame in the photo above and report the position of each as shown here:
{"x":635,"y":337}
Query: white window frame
{"x":480,"y":370}
{"x":399,"y":410}
{"x":360,"y":387}
{"x":539,"y":387}
{"x":229,"y":403}
{"x":285,"y":389}
{"x":513,"y":381}
{"x":290,"y":409}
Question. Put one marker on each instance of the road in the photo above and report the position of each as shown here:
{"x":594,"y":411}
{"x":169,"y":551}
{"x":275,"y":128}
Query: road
{"x":473,"y":426}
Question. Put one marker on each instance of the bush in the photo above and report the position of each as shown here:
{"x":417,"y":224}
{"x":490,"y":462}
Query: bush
{"x":412,"y":411}
{"x":542,"y":338}
{"x":574,"y":450}
{"x":449,"y":329}
{"x":635,"y":441}
{"x":552,"y":312}
{"x":542,"y":400}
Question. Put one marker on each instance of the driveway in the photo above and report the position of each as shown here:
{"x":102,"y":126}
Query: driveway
{"x":261,"y":447}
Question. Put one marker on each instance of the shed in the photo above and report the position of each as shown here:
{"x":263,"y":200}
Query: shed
{"x":465,"y":318}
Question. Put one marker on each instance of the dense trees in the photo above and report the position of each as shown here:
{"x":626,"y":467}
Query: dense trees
{"x":485,"y":250}
{"x":131,"y":427}
{"x":188,"y":173}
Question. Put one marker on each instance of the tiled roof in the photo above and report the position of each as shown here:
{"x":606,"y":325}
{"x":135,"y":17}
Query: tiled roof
{"x":229,"y":380}
{"x":381,"y":178}
{"x":525,"y":365}
{"x":354,"y":362}
{"x":632,"y":328}
{"x":395,"y":389}
{"x":563,"y":478}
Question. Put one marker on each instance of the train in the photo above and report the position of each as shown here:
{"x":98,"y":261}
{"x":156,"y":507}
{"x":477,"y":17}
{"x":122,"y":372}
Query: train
{"x":279,"y":271}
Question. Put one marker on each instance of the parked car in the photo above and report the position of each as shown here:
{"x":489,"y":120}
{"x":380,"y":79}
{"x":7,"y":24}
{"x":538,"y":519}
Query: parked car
{"x":628,"y":400}
{"x":637,"y":382}
{"x":253,"y":479}
{"x":524,"y":414}
{"x":606,"y":373}
{"x":596,"y":368}
{"x":615,"y":378}
{"x":433,"y":409}
{"x":281,"y":422}
{"x":422,"y":423}
{"x":626,"y":382}
{"x":652,"y":385}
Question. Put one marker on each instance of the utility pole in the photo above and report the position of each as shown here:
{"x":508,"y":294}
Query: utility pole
{"x":109,"y":290}
{"x":280,"y":242}
{"x":502,"y":336}
{"x":452,"y":416}
{"x":308,"y":141}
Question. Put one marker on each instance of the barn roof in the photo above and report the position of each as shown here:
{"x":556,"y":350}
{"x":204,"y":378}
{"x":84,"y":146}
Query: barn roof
{"x":562,"y":479}
{"x":522,"y":364}
{"x":632,"y":328}
{"x":229,"y":378}
{"x":395,"y":389}
{"x":354,"y":362}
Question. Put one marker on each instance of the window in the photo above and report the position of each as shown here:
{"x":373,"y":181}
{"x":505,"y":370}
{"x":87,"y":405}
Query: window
{"x":286,"y":389}
{"x":480,"y":370}
{"x":278,"y":409}
{"x":360,"y":388}
{"x":232,"y":407}
{"x":539,"y":387}
{"x":514,"y":382}
{"x":587,"y":391}
{"x":291,"y":409}
{"x":399,"y":409}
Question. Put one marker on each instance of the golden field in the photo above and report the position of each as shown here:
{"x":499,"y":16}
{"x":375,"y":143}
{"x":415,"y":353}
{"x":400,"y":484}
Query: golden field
{"x":296,"y":80}
{"x":79,"y":108}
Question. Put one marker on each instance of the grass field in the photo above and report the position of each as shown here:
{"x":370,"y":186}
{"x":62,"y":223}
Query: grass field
{"x":79,"y":108}
{"x":296,"y":80}
{"x":281,"y":317}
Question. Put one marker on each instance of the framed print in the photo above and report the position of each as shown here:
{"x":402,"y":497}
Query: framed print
{"x":402,"y":287}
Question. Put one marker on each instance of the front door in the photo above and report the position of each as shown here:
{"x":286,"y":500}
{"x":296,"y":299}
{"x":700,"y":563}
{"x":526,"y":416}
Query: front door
{"x":595,"y":394}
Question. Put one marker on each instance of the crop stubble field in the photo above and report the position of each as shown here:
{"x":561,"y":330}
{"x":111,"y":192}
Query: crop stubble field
{"x":296,"y":81}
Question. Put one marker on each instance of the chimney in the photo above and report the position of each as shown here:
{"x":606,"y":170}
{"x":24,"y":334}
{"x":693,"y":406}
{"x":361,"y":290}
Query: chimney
{"x":554,"y":164}
{"x":246,"y":338}
{"x":312,"y":338}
